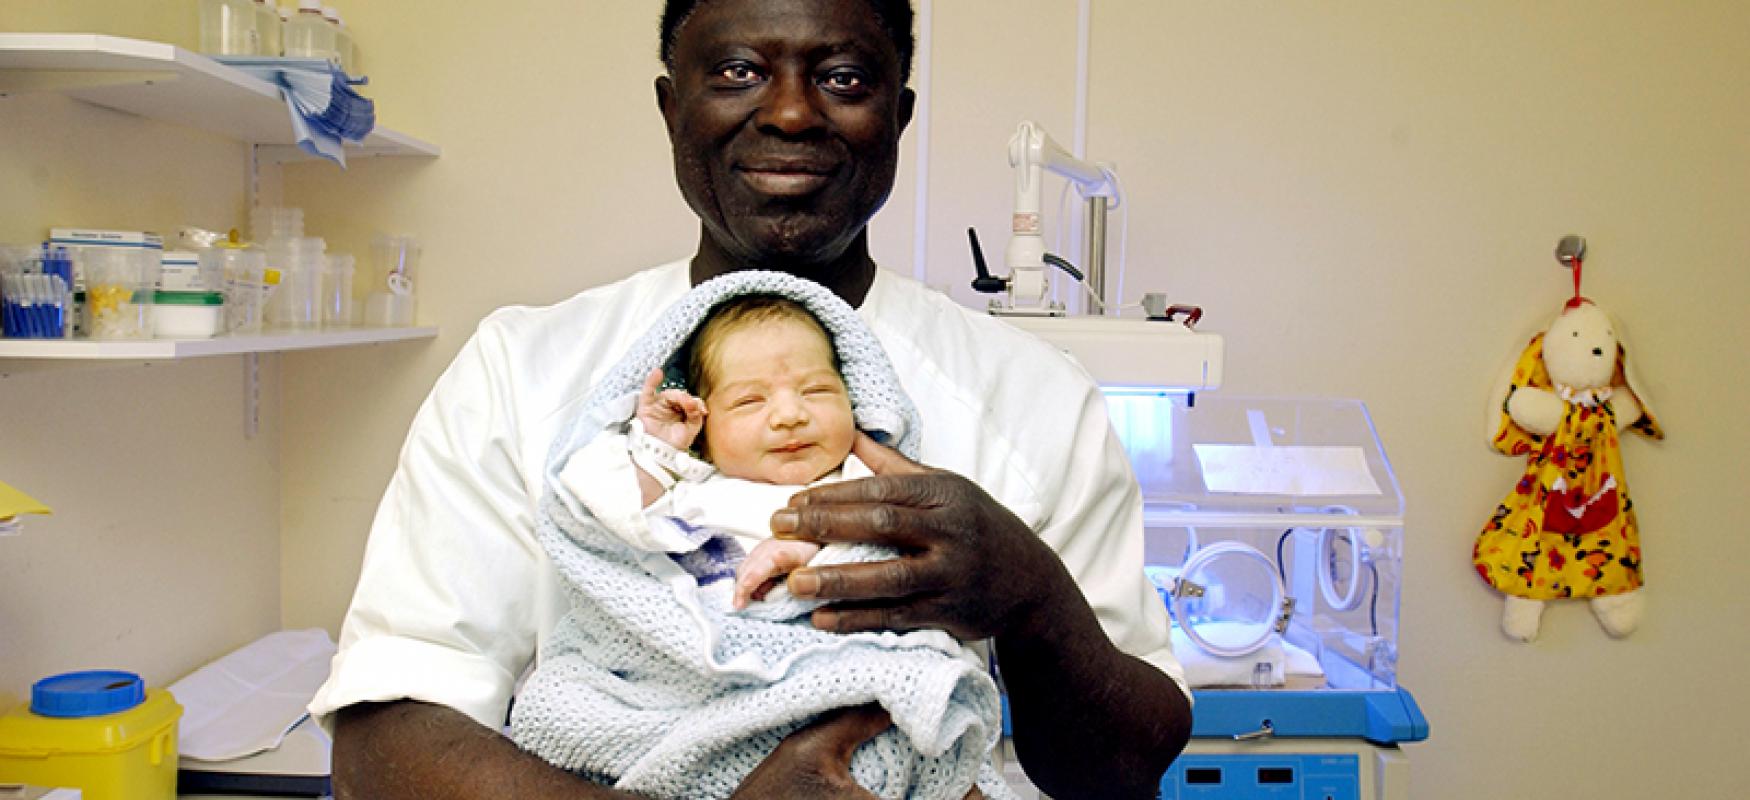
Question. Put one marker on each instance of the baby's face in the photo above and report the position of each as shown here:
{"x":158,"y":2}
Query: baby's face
{"x":778,"y":412}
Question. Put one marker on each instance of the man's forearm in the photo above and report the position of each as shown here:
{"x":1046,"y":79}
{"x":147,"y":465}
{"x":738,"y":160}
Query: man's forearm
{"x":407,"y":750}
{"x":1089,"y":721}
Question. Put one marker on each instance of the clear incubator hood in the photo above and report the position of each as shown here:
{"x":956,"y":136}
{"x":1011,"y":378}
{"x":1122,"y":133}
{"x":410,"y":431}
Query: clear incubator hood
{"x":1274,"y":534}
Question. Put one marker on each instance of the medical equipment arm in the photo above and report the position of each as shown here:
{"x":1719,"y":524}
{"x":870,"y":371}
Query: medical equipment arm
{"x":1031,"y":152}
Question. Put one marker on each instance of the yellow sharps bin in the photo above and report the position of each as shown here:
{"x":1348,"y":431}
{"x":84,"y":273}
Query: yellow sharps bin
{"x":100,"y":732}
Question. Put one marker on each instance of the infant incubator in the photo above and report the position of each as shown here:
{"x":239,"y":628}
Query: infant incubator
{"x":1274,"y":535}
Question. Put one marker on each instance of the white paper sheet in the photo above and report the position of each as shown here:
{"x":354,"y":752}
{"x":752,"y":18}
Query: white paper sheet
{"x":1290,"y":469}
{"x":245,"y":702}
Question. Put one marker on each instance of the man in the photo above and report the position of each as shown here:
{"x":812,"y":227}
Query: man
{"x":785,"y":118}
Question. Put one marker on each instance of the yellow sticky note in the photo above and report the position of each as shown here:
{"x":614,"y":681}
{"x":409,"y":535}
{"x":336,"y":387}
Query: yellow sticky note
{"x":14,"y":503}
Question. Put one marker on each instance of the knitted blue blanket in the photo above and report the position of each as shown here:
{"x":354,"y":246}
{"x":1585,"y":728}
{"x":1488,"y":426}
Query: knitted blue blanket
{"x":645,"y":687}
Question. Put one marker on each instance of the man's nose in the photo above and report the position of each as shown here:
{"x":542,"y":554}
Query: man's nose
{"x":789,"y":108}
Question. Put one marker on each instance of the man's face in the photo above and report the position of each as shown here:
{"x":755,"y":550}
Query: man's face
{"x":785,"y":118}
{"x":777,"y":411}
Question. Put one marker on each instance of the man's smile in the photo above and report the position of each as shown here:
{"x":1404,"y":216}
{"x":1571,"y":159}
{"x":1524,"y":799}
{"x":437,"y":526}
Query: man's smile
{"x":785,"y":179}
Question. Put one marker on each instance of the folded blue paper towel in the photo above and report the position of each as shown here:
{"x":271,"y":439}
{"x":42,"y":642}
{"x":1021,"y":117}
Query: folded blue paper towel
{"x":325,"y":110}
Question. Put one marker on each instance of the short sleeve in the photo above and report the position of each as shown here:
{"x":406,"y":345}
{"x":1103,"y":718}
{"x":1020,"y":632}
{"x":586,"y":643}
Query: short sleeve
{"x":447,"y":606}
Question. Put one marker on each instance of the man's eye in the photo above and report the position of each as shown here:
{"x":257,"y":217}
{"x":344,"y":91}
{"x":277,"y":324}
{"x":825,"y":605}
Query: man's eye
{"x":738,"y":72}
{"x":845,"y":81}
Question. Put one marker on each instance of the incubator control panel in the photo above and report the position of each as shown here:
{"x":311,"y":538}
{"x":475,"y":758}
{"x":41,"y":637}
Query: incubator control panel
{"x":1256,"y":777}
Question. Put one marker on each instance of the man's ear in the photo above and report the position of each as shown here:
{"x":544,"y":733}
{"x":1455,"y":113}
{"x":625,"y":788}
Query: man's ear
{"x":908,"y":101}
{"x":665,"y":102}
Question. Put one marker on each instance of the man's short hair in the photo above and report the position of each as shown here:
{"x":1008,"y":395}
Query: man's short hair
{"x":895,"y":17}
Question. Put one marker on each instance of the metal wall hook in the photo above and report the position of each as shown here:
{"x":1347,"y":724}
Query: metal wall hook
{"x":1571,"y":249}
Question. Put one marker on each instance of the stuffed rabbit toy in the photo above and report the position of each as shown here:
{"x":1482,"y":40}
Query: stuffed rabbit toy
{"x":1567,"y":529}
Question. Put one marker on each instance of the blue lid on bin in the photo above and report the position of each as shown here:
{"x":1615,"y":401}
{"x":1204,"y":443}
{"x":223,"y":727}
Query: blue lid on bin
{"x":86,"y":694}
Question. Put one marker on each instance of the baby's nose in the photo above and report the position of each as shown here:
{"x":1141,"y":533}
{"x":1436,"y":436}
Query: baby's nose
{"x":787,"y":412}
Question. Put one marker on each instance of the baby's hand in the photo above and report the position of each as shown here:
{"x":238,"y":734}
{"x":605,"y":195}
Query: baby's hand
{"x":672,"y":416}
{"x":769,"y":562}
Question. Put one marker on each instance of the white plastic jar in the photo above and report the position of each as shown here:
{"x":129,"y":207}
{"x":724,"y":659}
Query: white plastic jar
{"x":188,"y":315}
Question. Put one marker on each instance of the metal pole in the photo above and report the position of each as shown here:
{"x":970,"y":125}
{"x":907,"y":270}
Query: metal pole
{"x":1095,"y":264}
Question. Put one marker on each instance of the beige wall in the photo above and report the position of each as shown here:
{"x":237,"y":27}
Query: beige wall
{"x":163,"y":549}
{"x":1363,"y":196}
{"x":173,"y":21}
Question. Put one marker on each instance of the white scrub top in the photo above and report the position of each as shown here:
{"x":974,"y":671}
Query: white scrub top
{"x":456,"y":596}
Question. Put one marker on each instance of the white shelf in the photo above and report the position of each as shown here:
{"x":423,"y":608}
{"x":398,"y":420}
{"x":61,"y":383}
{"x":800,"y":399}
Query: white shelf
{"x":172,"y":349}
{"x":168,"y":83}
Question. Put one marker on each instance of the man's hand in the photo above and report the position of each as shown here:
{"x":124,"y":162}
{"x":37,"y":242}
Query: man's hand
{"x":815,"y":762}
{"x":967,"y":565}
{"x":1088,"y":720}
{"x":671,"y":415}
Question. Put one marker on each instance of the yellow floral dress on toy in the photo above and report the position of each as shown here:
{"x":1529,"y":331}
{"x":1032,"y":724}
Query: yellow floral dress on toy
{"x":1567,"y":529}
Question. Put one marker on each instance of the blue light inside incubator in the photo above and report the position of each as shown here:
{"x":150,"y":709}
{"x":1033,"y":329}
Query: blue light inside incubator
{"x":1143,"y":420}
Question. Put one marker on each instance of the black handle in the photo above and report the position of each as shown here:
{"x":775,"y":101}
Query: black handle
{"x":985,"y":282}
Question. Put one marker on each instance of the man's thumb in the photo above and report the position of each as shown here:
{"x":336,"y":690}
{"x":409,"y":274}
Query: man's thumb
{"x":881,"y":459}
{"x":849,"y":728}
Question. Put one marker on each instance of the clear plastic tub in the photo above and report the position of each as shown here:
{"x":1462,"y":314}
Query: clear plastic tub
{"x":342,"y":39}
{"x":297,"y":303}
{"x":247,"y":286}
{"x":267,"y":27}
{"x":268,"y":223}
{"x":228,"y":28}
{"x":307,"y":34}
{"x":118,"y":286}
{"x":394,"y":263}
{"x":337,"y":302}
